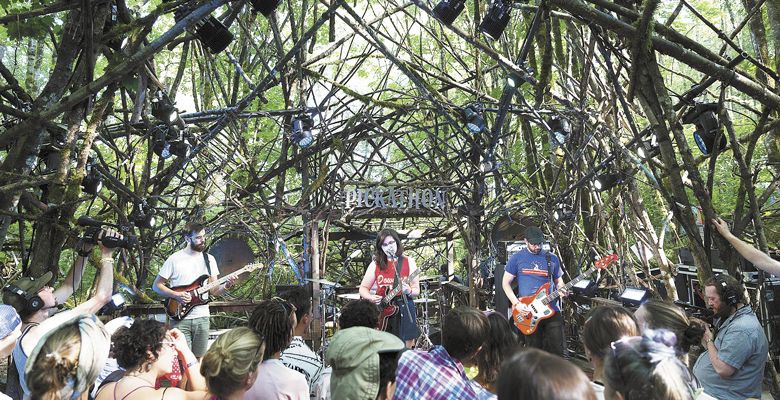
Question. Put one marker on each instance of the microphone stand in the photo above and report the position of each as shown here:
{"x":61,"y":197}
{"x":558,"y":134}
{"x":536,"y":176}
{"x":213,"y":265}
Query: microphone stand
{"x":403,"y":296}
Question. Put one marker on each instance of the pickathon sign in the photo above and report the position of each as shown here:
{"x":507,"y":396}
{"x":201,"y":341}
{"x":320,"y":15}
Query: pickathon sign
{"x":396,"y":197}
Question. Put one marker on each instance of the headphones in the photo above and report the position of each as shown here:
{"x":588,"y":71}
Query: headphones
{"x":33,"y":302}
{"x":730,"y":295}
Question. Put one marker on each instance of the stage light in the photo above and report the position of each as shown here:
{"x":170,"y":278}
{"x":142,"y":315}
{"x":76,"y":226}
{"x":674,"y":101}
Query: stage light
{"x":301,"y":131}
{"x":560,"y":128}
{"x":634,"y":297}
{"x":564,"y":213}
{"x":608,"y":181}
{"x":704,"y":117}
{"x":648,"y":149}
{"x":143,"y":216}
{"x":496,"y":19}
{"x":266,"y":7}
{"x":92,"y":181}
{"x":117,"y":303}
{"x":584,"y":288}
{"x":474,"y":120}
{"x":213,"y":34}
{"x":163,"y":109}
{"x":180,"y":148}
{"x":448,"y":10}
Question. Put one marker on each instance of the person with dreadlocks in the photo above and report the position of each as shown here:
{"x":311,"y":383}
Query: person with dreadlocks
{"x":274,"y":320}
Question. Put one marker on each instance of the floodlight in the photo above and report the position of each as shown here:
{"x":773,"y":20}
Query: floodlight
{"x":496,"y":19}
{"x":265,"y":7}
{"x":163,"y":109}
{"x":474,"y":120}
{"x":213,"y":34}
{"x":301,"y":131}
{"x":608,"y":181}
{"x":559,"y":129}
{"x":117,"y":303}
{"x":143,"y":216}
{"x":634,"y":297}
{"x":448,"y":10}
{"x":584,"y":288}
{"x":704,"y":117}
{"x":564,"y":213}
{"x":92,"y":181}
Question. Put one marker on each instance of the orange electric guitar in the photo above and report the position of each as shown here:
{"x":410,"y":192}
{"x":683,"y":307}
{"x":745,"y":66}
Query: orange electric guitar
{"x":539,"y":302}
{"x":198,"y":290}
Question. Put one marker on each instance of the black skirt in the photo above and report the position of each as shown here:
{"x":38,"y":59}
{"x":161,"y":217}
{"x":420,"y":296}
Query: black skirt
{"x":404,"y":323}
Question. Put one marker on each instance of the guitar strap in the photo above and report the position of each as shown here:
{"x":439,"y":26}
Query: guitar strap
{"x":208,"y":263}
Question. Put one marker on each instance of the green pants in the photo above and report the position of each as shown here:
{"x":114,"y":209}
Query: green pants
{"x":196,"y":330}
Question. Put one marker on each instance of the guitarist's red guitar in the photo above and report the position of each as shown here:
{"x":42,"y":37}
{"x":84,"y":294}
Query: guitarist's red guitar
{"x":198,"y":290}
{"x":386,"y":309}
{"x":539,"y":302}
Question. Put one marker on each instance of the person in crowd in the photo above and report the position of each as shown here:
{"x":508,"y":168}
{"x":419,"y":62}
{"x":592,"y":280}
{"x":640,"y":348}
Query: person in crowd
{"x":111,"y":371}
{"x":184,"y":268}
{"x":732,"y":365}
{"x":230,"y":365}
{"x":147,"y":351}
{"x":10,"y":329}
{"x":274,"y":320}
{"x":36,"y":302}
{"x":656,"y":314}
{"x":68,"y":358}
{"x":647,"y":368}
{"x":533,"y":374}
{"x":364,"y":362}
{"x":390,"y":268}
{"x":439,"y":373}
{"x":298,"y":355}
{"x":359,"y":313}
{"x":533,"y":267}
{"x":604,"y":325}
{"x":501,"y":342}
{"x":756,"y":257}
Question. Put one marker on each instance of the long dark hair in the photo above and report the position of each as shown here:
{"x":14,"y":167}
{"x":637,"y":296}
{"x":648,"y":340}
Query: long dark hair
{"x":501,"y":341}
{"x":553,"y":378}
{"x":379,"y":256}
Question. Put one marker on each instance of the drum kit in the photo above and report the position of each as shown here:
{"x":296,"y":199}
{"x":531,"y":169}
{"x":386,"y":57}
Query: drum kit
{"x":333,"y":296}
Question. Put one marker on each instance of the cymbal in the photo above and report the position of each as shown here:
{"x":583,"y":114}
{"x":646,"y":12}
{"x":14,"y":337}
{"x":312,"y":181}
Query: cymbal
{"x":349,"y":296}
{"x":424,"y":301}
{"x":322,"y":282}
{"x":430,"y":278}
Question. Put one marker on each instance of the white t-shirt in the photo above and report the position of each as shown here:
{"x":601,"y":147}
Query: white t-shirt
{"x":181,"y":269}
{"x":299,"y":357}
{"x":277,"y":382}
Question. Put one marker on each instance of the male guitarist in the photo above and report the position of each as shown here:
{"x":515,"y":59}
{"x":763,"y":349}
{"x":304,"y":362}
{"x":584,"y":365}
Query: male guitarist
{"x":183,"y":268}
{"x":533,"y":267}
{"x":390,"y":269}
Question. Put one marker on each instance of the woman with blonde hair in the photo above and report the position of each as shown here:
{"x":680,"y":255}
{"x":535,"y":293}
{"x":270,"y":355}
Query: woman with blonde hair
{"x":67,"y":360}
{"x":230,"y":364}
{"x":656,"y":314}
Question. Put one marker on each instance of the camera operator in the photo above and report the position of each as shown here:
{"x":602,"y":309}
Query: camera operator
{"x":36,"y":302}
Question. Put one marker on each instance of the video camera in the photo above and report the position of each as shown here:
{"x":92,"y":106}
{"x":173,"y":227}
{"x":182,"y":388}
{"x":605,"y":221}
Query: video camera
{"x":92,"y":234}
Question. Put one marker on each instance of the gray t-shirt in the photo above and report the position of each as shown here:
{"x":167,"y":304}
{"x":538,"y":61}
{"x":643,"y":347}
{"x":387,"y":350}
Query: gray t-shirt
{"x":741,"y":343}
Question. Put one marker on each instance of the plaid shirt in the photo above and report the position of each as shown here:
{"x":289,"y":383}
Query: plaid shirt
{"x":434,"y":375}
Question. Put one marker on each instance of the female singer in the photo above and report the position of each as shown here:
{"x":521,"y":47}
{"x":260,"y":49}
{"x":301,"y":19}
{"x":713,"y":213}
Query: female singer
{"x":385,"y":273}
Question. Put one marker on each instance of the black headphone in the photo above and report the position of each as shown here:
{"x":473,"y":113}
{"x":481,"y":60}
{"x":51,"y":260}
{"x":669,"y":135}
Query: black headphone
{"x":730,"y":295}
{"x":33,"y":302}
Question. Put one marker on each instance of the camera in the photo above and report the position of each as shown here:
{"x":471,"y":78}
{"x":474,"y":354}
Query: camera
{"x":92,"y":234}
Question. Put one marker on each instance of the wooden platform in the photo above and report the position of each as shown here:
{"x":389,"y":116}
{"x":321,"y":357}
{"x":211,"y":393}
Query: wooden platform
{"x":214,"y":306}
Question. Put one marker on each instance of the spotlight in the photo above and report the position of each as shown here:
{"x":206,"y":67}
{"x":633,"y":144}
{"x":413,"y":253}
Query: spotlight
{"x":564,"y":213}
{"x":117,"y":303}
{"x":608,"y":181}
{"x":301,"y":131}
{"x":92,"y":181}
{"x":213,"y":34}
{"x":496,"y":19}
{"x":648,"y":149}
{"x":634,"y":297}
{"x":448,"y":10}
{"x":266,"y":7}
{"x":474,"y":120}
{"x":180,"y":148}
{"x":170,"y":141}
{"x":704,"y":117}
{"x":559,"y":129}
{"x":584,"y":288}
{"x":143,"y":216}
{"x":163,"y":109}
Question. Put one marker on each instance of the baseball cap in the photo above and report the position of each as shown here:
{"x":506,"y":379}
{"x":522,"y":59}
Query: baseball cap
{"x":534,"y":235}
{"x":29,"y":285}
{"x":9,"y":320}
{"x":354,"y":356}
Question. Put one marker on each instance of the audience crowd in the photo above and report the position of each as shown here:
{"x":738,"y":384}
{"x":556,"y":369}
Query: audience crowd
{"x":633,"y":355}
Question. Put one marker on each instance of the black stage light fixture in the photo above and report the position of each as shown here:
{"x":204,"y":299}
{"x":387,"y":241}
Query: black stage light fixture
{"x":647,"y":149}
{"x":584,"y":288}
{"x":634,"y":297}
{"x":301,"y":131}
{"x":92,"y":181}
{"x":564,"y":213}
{"x":559,"y":129}
{"x":180,"y":148}
{"x":704,"y":116}
{"x":448,"y":10}
{"x":266,"y":7}
{"x":116,"y":304}
{"x":608,"y":181}
{"x":475,"y":122}
{"x":213,"y":34}
{"x":143,"y":216}
{"x":496,"y":19}
{"x":163,"y":109}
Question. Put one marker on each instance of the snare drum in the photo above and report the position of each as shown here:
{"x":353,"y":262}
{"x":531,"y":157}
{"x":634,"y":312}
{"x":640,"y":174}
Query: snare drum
{"x":349,"y":296}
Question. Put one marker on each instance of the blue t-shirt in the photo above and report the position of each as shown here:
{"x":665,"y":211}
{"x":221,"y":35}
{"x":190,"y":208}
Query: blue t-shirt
{"x":531,"y":272}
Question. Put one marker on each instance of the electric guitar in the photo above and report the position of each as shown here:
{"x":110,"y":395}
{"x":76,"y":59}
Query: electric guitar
{"x":198,"y":290}
{"x":386,"y":309}
{"x":539,"y":302}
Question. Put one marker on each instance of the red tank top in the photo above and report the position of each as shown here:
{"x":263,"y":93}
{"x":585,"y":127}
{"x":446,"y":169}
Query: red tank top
{"x":385,"y":279}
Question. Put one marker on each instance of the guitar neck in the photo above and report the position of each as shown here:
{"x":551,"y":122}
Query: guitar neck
{"x":554,"y":295}
{"x":211,"y":285}
{"x":394,"y":292}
